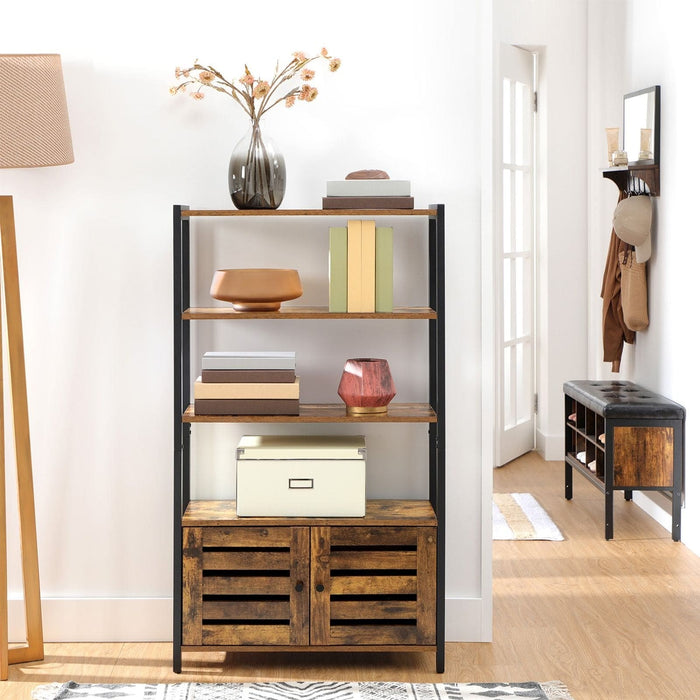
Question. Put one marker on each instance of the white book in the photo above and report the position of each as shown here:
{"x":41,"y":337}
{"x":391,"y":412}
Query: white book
{"x":368,"y":188}
{"x":249,"y":360}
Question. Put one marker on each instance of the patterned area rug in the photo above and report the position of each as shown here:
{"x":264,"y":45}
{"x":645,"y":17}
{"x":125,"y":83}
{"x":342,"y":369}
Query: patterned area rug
{"x":518,"y":516}
{"x":301,"y":690}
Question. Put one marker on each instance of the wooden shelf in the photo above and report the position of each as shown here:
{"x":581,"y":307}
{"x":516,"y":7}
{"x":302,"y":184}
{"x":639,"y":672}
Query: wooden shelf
{"x":623,"y":176}
{"x":399,"y":513}
{"x":188,"y":213}
{"x":328,"y":413}
{"x":307,"y":312}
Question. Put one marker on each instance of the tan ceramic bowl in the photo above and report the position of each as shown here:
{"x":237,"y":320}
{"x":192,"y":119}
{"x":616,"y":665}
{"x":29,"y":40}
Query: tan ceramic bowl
{"x":256,"y":289}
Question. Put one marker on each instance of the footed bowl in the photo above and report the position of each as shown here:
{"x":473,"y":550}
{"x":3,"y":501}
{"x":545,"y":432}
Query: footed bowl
{"x":256,"y":289}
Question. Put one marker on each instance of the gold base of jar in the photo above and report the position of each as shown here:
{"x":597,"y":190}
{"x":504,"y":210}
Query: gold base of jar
{"x":360,"y":410}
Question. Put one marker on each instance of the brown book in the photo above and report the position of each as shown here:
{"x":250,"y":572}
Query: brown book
{"x":243,"y":376}
{"x":246,"y":407}
{"x":367,"y":202}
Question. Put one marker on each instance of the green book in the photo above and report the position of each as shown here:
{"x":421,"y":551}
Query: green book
{"x":338,"y":269}
{"x":384,"y":269}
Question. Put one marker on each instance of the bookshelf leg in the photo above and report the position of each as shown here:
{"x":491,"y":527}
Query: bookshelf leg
{"x":568,"y":482}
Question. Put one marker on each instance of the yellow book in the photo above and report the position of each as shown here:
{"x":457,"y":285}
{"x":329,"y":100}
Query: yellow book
{"x":354,"y":266}
{"x":368,"y":262}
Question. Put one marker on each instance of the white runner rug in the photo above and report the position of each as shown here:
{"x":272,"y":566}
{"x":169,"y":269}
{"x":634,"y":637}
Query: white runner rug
{"x":518,"y":516}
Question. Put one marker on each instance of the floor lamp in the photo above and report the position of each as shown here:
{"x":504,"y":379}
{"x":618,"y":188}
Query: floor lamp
{"x":34,"y":132}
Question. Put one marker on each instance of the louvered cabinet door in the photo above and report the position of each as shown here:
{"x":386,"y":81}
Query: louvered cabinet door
{"x":245,"y":586}
{"x":373,"y":585}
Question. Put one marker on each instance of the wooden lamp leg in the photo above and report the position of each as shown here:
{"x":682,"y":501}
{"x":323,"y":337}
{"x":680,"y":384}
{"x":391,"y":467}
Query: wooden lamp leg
{"x":34,"y":649}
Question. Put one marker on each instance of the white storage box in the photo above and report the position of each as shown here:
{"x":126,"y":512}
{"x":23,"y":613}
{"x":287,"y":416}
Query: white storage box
{"x":301,"y":475}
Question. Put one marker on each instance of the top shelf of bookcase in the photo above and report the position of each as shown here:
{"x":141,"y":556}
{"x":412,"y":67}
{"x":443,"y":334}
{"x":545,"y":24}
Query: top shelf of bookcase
{"x":189,"y":213}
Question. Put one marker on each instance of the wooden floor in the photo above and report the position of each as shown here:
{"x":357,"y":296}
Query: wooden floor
{"x":612,"y":620}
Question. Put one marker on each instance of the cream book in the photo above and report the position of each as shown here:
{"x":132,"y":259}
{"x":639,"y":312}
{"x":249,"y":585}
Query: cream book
{"x":361,"y":274}
{"x":246,"y":390}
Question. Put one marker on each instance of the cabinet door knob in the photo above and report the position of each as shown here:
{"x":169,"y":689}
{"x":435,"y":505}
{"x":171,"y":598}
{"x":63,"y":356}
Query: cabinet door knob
{"x":320,"y":588}
{"x":299,"y":587}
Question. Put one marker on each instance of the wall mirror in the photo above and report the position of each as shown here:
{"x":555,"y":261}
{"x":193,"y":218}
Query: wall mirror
{"x":640,"y":122}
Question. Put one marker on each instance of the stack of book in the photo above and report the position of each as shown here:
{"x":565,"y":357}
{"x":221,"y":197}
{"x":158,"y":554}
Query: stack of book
{"x":361,"y":268}
{"x":368,"y":194}
{"x":247,"y":383}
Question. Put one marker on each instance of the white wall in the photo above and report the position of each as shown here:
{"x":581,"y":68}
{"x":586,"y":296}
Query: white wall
{"x":636,"y":45}
{"x":94,"y":244}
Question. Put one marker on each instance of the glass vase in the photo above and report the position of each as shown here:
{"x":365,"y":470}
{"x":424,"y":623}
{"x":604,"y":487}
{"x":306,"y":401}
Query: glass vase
{"x":256,"y":173}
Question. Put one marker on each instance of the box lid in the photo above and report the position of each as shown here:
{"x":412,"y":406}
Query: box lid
{"x":301,"y":447}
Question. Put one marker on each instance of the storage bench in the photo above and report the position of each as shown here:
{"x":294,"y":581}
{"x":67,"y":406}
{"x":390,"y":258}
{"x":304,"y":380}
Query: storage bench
{"x":623,"y":437}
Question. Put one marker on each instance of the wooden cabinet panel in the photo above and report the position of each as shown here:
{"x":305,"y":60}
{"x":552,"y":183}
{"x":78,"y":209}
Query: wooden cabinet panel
{"x":373,"y":585}
{"x":643,"y":456}
{"x":245,"y":585}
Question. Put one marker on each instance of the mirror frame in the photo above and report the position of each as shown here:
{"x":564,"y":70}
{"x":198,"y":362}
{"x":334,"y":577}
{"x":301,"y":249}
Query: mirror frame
{"x":656,"y":135}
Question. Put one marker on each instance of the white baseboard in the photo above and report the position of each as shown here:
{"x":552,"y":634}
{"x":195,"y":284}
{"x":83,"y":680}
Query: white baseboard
{"x":150,"y":620}
{"x":659,"y":509}
{"x":98,"y":619}
{"x":551,"y":447}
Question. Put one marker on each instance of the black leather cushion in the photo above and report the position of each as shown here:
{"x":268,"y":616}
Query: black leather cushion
{"x":617,"y":399}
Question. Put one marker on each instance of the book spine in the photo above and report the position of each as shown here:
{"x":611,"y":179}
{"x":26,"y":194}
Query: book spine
{"x":338,"y":269}
{"x":249,"y":363}
{"x":367,"y":202}
{"x":245,"y":390}
{"x":223,"y":376}
{"x":246,"y":407}
{"x":368,"y":188}
{"x":384,"y":269}
{"x":368,"y":265}
{"x":354,"y":271}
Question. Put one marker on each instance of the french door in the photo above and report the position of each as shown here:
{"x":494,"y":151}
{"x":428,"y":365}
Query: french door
{"x":514,"y":257}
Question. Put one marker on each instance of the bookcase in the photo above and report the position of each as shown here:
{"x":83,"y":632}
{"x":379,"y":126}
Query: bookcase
{"x":372,"y":583}
{"x":623,"y":437}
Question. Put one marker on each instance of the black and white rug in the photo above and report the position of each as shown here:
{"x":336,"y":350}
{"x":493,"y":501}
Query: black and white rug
{"x":301,"y":690}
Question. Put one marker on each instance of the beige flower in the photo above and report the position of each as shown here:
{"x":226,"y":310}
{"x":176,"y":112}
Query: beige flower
{"x":304,"y":92}
{"x":300,"y":56}
{"x":197,"y":96}
{"x":262,"y":87}
{"x":334,"y":64}
{"x":206,"y":77}
{"x":246,"y":79}
{"x":312,"y":94}
{"x":307,"y":74}
{"x":174,"y":90}
{"x":289,"y":102}
{"x":324,"y":52}
{"x":179,"y":72}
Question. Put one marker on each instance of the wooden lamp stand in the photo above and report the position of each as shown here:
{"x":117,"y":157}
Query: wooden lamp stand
{"x":33,"y":650}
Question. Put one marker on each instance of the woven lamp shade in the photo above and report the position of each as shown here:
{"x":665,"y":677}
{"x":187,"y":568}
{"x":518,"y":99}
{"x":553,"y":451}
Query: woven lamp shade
{"x":34,"y":128}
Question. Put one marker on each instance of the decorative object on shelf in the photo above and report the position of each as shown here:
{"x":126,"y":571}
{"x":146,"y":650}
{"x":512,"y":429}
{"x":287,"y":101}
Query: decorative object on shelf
{"x":366,"y":385}
{"x":34,"y":133}
{"x":645,"y":152}
{"x":367,"y":175}
{"x":301,"y":475}
{"x":257,"y":174}
{"x":612,"y":135}
{"x":619,"y":158}
{"x":256,"y":289}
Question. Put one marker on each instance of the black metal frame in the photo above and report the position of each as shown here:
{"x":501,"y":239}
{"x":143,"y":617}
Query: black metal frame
{"x":181,"y":394}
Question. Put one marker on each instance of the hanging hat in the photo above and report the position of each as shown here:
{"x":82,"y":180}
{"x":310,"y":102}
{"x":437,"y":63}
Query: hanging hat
{"x":632,"y":224}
